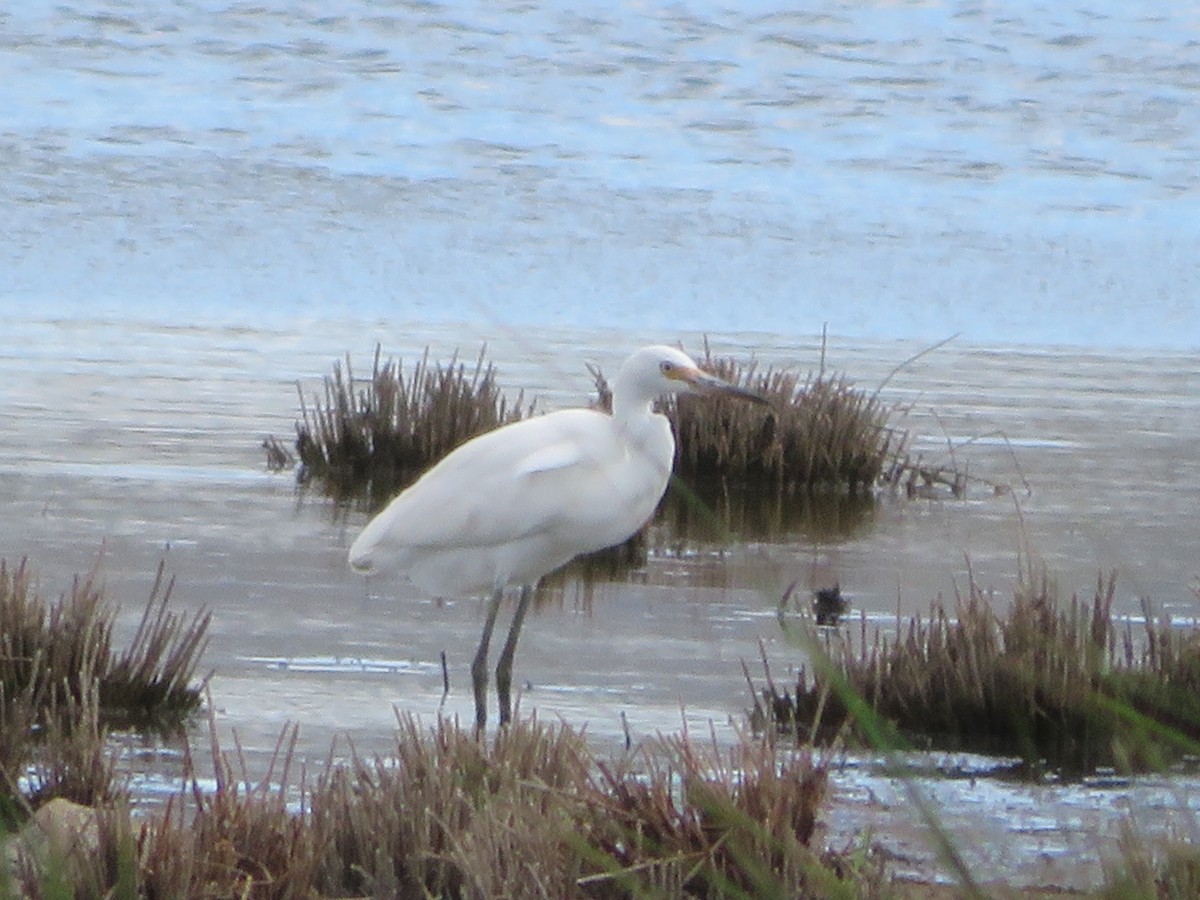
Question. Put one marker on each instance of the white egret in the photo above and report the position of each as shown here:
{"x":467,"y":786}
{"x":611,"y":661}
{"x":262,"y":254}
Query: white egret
{"x":511,"y":505}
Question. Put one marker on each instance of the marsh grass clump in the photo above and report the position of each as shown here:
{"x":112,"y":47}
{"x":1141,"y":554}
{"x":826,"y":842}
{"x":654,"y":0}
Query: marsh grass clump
{"x":63,"y":685}
{"x":60,"y":651}
{"x":819,"y":432}
{"x":51,"y":747}
{"x":529,"y":813}
{"x":701,"y":822}
{"x":1057,"y":684}
{"x":239,"y":838}
{"x":450,"y":815}
{"x":536,"y":814}
{"x":377,"y":435}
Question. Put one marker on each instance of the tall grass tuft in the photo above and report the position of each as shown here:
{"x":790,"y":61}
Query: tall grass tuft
{"x":1059,"y":684}
{"x":64,"y":648}
{"x":535,"y":814}
{"x":528,"y":813}
{"x":62,"y":686}
{"x":696,"y":821}
{"x":819,"y":432}
{"x":239,"y":839}
{"x":376,"y":436}
{"x":452,"y":816}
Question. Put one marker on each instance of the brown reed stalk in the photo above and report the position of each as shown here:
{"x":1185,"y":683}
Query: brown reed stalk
{"x":67,"y":645}
{"x":698,"y":821}
{"x":70,"y":759}
{"x":153,"y":681}
{"x":240,"y":839}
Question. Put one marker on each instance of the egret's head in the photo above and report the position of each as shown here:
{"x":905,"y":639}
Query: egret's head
{"x":654,"y":371}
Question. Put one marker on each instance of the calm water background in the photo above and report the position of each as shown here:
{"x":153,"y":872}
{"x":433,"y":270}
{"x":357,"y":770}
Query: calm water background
{"x":204,"y":203}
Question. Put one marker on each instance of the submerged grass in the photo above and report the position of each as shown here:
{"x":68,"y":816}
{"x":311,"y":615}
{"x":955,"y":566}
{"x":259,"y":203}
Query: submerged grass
{"x":1058,"y":684}
{"x":376,"y":436}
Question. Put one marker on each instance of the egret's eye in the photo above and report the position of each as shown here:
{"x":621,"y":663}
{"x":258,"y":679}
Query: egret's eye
{"x":666,"y":367}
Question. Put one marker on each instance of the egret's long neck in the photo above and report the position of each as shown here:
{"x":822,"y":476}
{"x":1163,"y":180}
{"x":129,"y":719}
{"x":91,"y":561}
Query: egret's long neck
{"x":647,"y":434}
{"x":649,"y":441}
{"x":631,"y":407}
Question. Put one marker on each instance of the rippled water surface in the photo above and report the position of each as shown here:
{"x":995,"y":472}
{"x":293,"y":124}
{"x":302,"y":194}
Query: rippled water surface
{"x":205,"y":203}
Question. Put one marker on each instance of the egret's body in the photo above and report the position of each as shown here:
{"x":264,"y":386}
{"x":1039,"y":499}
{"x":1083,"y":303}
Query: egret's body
{"x":518,"y":502}
{"x":511,"y":505}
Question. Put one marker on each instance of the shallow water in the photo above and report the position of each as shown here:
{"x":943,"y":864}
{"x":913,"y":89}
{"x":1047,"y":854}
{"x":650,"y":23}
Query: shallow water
{"x":205,"y":203}
{"x":146,"y":444}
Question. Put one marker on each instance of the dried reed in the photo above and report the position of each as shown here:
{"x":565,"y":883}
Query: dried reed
{"x":68,"y":645}
{"x":377,"y":436}
{"x":62,"y":686}
{"x":691,"y":821}
{"x":819,"y":432}
{"x":240,"y":839}
{"x":1047,"y":681}
{"x":532,"y":813}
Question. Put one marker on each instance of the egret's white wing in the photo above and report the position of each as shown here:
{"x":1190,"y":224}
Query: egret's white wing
{"x":499,"y":487}
{"x":561,"y":455}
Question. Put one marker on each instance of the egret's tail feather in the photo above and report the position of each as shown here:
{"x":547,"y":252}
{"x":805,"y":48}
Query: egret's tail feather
{"x":361,"y":561}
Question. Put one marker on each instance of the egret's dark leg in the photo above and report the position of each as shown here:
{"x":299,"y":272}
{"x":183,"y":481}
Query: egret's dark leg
{"x":479,"y":672}
{"x":505,"y":663}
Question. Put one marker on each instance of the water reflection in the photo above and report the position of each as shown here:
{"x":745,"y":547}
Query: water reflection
{"x":698,"y":526}
{"x":717,"y":511}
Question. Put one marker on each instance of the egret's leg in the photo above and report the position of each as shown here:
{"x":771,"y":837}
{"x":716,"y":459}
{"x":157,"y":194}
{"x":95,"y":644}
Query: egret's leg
{"x":479,"y":672}
{"x":505,"y":663}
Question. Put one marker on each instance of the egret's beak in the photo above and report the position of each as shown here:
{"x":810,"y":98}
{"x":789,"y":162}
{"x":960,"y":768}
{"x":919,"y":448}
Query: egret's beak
{"x":703,"y":383}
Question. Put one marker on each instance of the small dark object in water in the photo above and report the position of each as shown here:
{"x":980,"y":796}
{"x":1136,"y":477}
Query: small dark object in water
{"x":278,"y":456}
{"x":829,"y":605}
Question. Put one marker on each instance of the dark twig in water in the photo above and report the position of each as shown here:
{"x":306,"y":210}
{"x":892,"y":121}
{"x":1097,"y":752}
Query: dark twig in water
{"x":445,"y":682}
{"x":279,"y":457}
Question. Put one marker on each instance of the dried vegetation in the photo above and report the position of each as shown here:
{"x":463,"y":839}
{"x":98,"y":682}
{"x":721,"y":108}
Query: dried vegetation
{"x":819,"y":433}
{"x":529,"y":814}
{"x":63,"y":684}
{"x":54,"y":654}
{"x":533,"y":812}
{"x":1059,"y":684}
{"x":374,"y":436}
